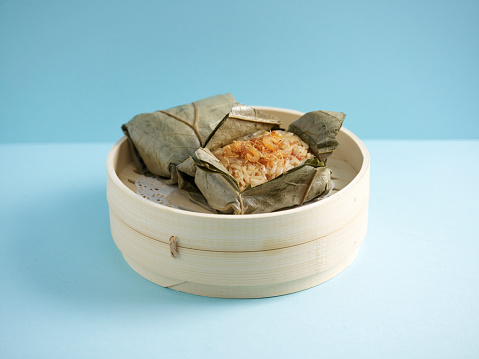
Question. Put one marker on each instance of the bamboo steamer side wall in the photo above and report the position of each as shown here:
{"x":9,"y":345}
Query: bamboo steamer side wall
{"x":241,"y":268}
{"x":247,"y":291}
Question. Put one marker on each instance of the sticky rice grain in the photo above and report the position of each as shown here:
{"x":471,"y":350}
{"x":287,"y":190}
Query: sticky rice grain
{"x":263,"y":157}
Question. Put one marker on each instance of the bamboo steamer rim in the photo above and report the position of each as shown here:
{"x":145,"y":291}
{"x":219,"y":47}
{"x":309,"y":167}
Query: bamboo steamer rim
{"x":324,"y":202}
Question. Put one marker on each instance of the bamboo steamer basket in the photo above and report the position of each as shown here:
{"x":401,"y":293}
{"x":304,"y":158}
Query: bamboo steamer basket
{"x":248,"y":256}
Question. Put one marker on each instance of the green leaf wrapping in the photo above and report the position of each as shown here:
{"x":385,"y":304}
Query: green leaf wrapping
{"x":210,"y":185}
{"x":319,"y":129}
{"x":161,"y":140}
{"x":207,"y":182}
{"x":241,"y":121}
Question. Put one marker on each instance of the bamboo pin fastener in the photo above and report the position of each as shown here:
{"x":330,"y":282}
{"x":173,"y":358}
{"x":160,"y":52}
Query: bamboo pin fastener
{"x":248,"y":256}
{"x":173,"y":249}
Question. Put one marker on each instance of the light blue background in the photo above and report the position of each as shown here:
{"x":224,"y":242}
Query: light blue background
{"x":74,"y":71}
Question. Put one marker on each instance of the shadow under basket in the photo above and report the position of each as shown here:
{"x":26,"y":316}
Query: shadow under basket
{"x":242,"y":256}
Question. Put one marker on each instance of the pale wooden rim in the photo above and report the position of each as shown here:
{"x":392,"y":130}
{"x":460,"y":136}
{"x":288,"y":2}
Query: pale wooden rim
{"x":362,"y":172}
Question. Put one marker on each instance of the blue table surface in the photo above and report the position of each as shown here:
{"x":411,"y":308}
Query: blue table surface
{"x":412,"y":292}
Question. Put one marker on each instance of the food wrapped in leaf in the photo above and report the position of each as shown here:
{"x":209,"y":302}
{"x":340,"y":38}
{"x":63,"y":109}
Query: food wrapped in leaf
{"x":267,"y":170}
{"x":319,"y":129}
{"x":161,"y":140}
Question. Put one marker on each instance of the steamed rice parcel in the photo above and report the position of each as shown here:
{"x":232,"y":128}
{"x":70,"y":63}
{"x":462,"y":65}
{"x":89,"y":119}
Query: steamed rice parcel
{"x":260,"y":157}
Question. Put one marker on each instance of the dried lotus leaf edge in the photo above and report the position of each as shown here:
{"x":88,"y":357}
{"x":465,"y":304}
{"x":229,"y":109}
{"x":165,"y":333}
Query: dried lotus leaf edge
{"x":259,"y":116}
{"x":322,"y":153}
{"x":139,"y":163}
{"x":215,"y":168}
{"x":211,"y":168}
